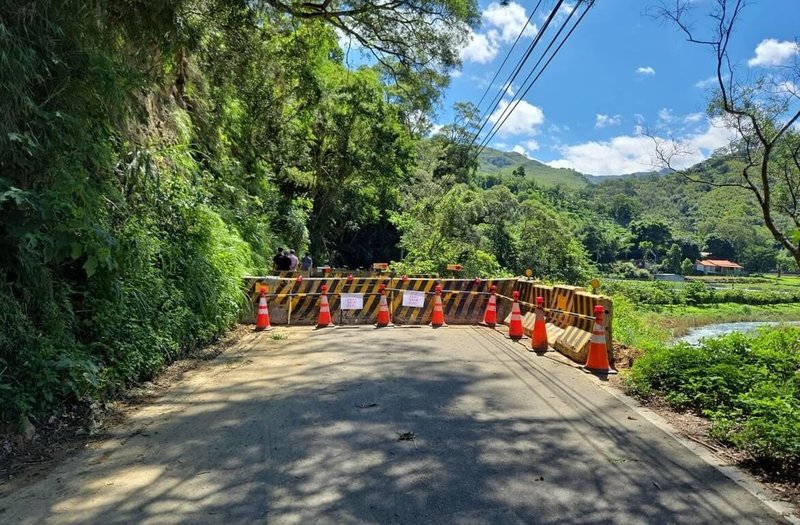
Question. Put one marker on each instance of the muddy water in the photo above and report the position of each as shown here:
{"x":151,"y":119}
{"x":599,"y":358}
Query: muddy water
{"x":713,"y":330}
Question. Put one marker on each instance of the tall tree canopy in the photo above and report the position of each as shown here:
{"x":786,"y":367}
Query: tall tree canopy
{"x":763,"y":111}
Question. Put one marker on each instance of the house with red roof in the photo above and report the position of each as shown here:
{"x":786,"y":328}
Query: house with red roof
{"x":717,"y":267}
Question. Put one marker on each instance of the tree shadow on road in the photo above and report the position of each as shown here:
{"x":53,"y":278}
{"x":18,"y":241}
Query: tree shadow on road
{"x":343,"y":428}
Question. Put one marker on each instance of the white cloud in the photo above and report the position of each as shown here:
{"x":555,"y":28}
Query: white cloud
{"x":645,"y":70}
{"x":511,"y":90}
{"x":524,"y":148}
{"x":693,"y":117}
{"x":607,"y":120}
{"x":787,"y":87}
{"x":628,"y":154}
{"x":563,"y":12}
{"x":524,"y":119}
{"x":531,"y":145}
{"x":706,"y":82}
{"x":479,"y":49}
{"x":519,"y":149}
{"x":665,"y":115}
{"x":456,"y":73}
{"x":771,"y":52}
{"x":503,"y":24}
{"x":717,"y":135}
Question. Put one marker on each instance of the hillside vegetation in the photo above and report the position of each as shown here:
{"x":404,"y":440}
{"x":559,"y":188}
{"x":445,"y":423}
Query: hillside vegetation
{"x":152,"y":153}
{"x":494,"y":164}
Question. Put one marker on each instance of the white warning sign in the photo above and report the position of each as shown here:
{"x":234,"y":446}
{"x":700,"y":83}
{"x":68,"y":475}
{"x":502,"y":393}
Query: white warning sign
{"x":352,"y":301}
{"x":414,"y":299}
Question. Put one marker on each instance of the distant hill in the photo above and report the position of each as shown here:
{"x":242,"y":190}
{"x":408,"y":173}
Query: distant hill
{"x":495,"y":162}
{"x":597,"y":179}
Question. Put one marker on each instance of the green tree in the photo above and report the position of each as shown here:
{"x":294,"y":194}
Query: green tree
{"x":399,"y":35}
{"x":672,"y":260}
{"x":687,"y":267}
{"x":656,"y":232}
{"x":456,"y":162}
{"x":719,"y":248}
{"x":763,"y":113}
{"x":623,"y":209}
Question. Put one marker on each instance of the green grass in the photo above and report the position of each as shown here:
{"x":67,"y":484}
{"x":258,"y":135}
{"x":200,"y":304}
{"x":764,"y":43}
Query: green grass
{"x":647,"y":327}
{"x":748,"y":291}
{"x":771,"y":282}
{"x":748,"y":386}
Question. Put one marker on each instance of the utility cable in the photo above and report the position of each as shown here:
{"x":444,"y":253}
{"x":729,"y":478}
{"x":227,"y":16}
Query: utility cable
{"x":515,"y":100}
{"x":517,"y":69}
{"x":525,"y":92}
{"x":491,"y":83}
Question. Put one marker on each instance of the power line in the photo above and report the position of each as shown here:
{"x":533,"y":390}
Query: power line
{"x":484,"y":143}
{"x":491,"y":83}
{"x":517,"y":69}
{"x":515,"y":100}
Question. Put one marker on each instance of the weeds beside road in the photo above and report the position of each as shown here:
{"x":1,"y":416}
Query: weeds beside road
{"x":747,"y":386}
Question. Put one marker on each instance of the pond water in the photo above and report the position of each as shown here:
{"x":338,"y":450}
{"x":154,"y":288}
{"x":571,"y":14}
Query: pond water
{"x":714,"y":330}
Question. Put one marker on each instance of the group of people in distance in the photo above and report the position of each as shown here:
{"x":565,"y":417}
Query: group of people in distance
{"x":287,"y":261}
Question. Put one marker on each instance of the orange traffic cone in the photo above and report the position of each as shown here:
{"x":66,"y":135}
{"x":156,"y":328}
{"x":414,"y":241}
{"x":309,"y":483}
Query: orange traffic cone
{"x":597,"y":360}
{"x":324,"y":318}
{"x":262,"y":318}
{"x":539,"y":333}
{"x":383,"y":309}
{"x":437,"y":318}
{"x":490,"y":317}
{"x":515,"y":324}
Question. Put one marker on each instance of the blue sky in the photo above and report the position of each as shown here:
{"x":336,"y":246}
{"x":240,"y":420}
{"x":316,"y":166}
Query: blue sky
{"x":619,"y":73}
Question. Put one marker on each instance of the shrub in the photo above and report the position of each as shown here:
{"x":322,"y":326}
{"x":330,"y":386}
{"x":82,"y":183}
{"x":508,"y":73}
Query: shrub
{"x":749,"y":386}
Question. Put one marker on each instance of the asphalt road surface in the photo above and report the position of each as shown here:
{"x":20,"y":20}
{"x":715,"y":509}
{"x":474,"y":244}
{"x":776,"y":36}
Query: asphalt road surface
{"x":398,"y":425}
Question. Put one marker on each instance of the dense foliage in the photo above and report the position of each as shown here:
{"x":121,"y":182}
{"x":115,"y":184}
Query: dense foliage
{"x":152,"y":153}
{"x":749,"y":386}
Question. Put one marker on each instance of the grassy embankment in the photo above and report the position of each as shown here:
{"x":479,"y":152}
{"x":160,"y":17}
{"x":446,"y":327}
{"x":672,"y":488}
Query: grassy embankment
{"x":748,"y":386}
{"x":648,"y":313}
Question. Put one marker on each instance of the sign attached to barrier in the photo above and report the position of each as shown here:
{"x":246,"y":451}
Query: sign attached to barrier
{"x":561,"y":302}
{"x":380,"y":266}
{"x":414,"y":299}
{"x":352,"y":301}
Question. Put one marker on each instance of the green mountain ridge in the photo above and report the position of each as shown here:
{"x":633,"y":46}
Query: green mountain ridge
{"x":499,"y":163}
{"x":494,"y":162}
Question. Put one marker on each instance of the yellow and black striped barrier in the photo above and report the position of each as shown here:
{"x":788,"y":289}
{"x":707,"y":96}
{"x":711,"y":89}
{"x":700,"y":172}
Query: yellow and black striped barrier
{"x":295,"y":300}
{"x":569,"y":310}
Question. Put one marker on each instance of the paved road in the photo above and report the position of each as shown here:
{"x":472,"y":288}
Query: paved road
{"x":307,"y":430}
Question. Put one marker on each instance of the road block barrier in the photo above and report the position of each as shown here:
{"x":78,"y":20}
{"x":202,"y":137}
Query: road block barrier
{"x":597,"y":361}
{"x":490,"y":317}
{"x":437,"y":317}
{"x":569,"y":316}
{"x":262,"y":317}
{"x":295,"y":301}
{"x":568,"y":310}
{"x":539,"y":332}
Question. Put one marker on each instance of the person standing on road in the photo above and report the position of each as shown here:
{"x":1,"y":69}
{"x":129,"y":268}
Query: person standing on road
{"x":293,"y":261}
{"x":307,"y":263}
{"x":276,"y":260}
{"x":283,"y":262}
